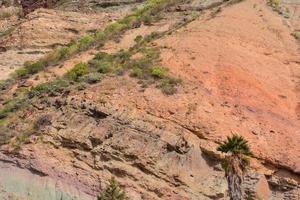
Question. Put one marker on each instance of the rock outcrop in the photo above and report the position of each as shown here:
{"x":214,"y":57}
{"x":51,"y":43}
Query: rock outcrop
{"x":159,"y":146}
{"x":31,"y":5}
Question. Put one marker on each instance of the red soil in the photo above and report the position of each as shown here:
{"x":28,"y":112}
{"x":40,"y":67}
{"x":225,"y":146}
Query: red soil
{"x":242,"y":69}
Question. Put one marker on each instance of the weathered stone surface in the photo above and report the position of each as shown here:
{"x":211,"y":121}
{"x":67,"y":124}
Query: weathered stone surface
{"x":148,"y":155}
{"x":164,"y":147}
{"x":21,"y":184}
{"x":284,"y":188}
{"x":256,"y":186}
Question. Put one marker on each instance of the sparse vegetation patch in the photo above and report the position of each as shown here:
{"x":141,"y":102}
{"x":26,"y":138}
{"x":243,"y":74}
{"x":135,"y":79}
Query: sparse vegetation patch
{"x":169,"y":85}
{"x":112,"y":31}
{"x":12,"y":106}
{"x":78,"y":71}
{"x":277,"y":6}
{"x":145,"y":67}
{"x":296,"y":35}
{"x":141,"y":61}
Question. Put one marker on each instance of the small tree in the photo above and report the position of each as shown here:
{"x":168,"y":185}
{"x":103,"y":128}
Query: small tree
{"x":112,"y":192}
{"x":235,"y":164}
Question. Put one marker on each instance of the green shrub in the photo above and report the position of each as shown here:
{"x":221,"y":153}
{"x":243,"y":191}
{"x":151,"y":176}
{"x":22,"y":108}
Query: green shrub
{"x":23,"y":98}
{"x":152,"y":36}
{"x":11,"y":106}
{"x":62,"y":53}
{"x":147,"y":19}
{"x":100,"y":36}
{"x":101,"y":56}
{"x":138,"y":39}
{"x":296,"y":36}
{"x":104,"y":67}
{"x":115,"y":27}
{"x":39,"y":90}
{"x":275,"y":4}
{"x":58,"y":86}
{"x":92,"y":78}
{"x":137,"y":72}
{"x":102,"y":63}
{"x":131,"y":21}
{"x":122,"y":56}
{"x":35,"y":67}
{"x":67,"y":51}
{"x":142,"y":63}
{"x":21,"y":72}
{"x":73,"y":48}
{"x":5,"y":134}
{"x":152,"y":53}
{"x":6,"y":83}
{"x":112,"y":192}
{"x":85,"y":42}
{"x":19,"y":140}
{"x":158,"y":72}
{"x":119,"y":70}
{"x":51,"y":88}
{"x":31,"y":68}
{"x":82,"y":86}
{"x":4,"y":112}
{"x":168,"y":85}
{"x":79,"y":70}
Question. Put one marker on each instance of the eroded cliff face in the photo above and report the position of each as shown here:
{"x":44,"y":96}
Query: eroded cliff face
{"x":239,"y":66}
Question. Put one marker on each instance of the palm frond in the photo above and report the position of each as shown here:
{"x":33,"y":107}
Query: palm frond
{"x":235,"y":144}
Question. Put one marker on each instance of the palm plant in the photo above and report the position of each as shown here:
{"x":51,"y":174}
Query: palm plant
{"x":235,"y":164}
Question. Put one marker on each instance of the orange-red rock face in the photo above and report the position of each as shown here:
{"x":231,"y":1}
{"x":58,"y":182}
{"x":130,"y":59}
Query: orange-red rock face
{"x":239,"y":68}
{"x":243,"y":67}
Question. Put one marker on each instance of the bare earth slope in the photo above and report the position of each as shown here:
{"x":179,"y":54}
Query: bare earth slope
{"x":242,"y":66}
{"x":240,"y":71}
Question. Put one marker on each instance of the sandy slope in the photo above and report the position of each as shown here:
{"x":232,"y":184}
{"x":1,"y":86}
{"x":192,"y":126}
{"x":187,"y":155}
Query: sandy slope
{"x":245,"y":64}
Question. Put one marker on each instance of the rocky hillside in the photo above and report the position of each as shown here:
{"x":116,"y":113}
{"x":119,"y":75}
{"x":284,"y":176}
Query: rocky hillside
{"x":145,"y":91}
